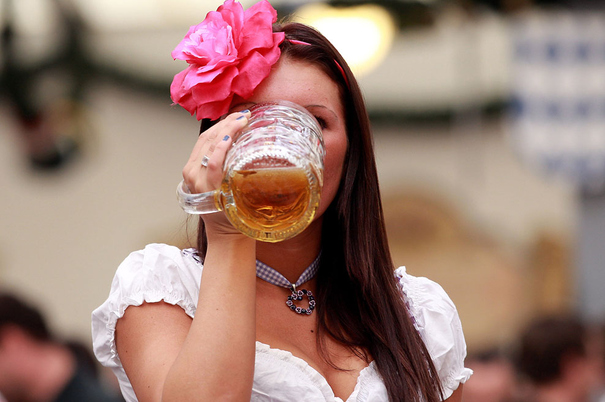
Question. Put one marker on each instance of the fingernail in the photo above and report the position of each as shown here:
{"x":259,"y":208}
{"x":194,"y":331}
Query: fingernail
{"x":244,"y":111}
{"x":241,"y":117}
{"x":225,"y":138}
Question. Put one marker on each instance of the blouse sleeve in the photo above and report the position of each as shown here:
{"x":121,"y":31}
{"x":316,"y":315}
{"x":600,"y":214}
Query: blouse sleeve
{"x":436,"y":319}
{"x":157,"y":273}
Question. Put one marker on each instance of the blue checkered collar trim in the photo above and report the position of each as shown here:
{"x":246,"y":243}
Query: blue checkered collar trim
{"x":270,"y":275}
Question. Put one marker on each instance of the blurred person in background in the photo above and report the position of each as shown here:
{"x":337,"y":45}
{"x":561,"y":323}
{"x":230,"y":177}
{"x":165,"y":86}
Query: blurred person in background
{"x":560,"y":359}
{"x":36,"y":367}
{"x":494,"y":378}
{"x":600,"y":342}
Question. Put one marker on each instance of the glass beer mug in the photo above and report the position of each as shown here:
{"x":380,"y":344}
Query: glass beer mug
{"x":272,"y":176}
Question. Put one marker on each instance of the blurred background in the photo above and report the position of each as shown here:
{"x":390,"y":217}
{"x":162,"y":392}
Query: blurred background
{"x":489,"y":124}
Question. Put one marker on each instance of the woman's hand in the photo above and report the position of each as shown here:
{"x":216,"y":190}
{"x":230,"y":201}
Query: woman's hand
{"x":204,"y":169}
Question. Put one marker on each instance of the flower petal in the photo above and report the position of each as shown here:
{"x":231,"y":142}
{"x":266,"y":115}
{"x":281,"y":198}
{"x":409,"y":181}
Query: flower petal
{"x":253,"y":70}
{"x":215,"y":92}
{"x":214,"y":110}
{"x":258,"y":31}
{"x":180,"y":95}
{"x":233,"y":14}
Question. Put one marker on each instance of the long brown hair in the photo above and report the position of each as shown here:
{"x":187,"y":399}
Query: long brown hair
{"x":359,"y":303}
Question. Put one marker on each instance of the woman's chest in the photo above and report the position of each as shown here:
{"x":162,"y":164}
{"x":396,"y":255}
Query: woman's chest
{"x":297,"y":337}
{"x":281,"y":376}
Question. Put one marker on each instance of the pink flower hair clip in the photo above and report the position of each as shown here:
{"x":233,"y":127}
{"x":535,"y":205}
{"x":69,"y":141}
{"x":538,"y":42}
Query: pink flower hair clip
{"x":229,"y":53}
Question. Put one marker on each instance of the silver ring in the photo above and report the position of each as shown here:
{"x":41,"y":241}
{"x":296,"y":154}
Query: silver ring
{"x":204,"y":161}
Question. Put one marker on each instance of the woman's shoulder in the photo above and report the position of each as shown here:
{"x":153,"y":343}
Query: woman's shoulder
{"x":436,"y":318}
{"x":158,"y":263}
{"x":159,"y":272}
{"x":160,"y":255}
{"x":422,"y":294}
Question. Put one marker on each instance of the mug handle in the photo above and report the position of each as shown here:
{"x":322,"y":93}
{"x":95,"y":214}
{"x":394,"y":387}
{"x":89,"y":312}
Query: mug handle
{"x":198,"y":204}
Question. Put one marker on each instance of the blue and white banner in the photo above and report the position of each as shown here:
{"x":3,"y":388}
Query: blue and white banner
{"x":558,"y":85}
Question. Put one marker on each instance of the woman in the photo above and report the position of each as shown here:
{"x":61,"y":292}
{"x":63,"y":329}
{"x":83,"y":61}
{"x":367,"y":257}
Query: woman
{"x":171,"y":333}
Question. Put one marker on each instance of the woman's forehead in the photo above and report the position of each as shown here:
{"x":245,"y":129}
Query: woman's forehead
{"x":297,"y":81}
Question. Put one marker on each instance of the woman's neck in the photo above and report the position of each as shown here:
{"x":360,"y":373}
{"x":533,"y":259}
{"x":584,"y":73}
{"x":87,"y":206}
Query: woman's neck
{"x":291,"y":257}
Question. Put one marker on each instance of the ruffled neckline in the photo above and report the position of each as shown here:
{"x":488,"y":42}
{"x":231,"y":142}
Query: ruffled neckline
{"x":365,"y":375}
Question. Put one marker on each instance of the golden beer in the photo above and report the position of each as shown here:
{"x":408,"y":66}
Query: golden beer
{"x":272,"y":203}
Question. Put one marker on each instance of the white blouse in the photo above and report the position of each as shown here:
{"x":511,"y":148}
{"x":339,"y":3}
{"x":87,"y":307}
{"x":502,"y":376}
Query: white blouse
{"x":165,"y":273}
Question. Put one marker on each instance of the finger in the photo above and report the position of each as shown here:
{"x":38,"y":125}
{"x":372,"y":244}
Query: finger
{"x":202,"y":139}
{"x":227,"y":127}
{"x":216,"y":161}
{"x":203,"y":172}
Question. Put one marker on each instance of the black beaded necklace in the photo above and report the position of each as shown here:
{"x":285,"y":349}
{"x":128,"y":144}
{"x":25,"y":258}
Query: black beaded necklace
{"x":268,"y":274}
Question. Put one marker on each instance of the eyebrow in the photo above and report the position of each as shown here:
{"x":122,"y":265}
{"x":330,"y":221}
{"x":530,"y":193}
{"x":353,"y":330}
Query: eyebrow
{"x":306,"y":107}
{"x":322,"y":107}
